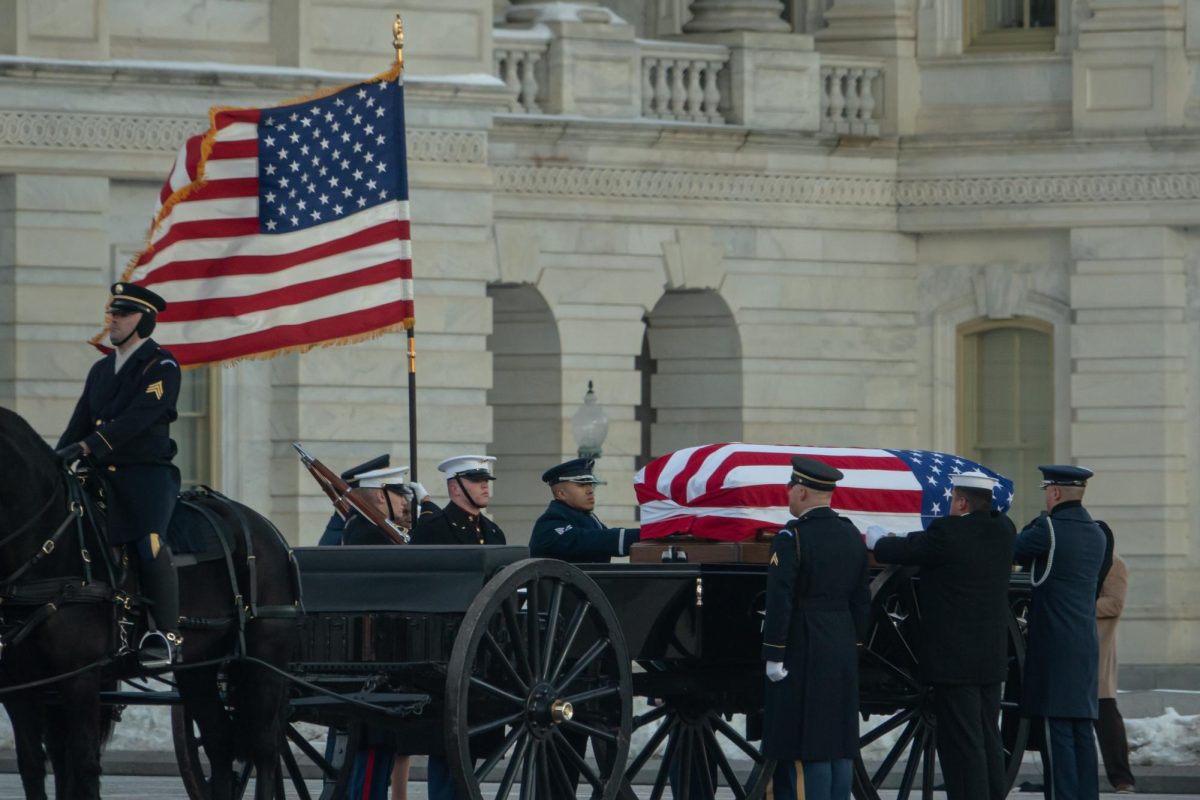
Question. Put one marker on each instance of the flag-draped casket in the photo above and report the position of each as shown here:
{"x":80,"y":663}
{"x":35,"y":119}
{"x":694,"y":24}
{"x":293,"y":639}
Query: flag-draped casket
{"x":732,"y":491}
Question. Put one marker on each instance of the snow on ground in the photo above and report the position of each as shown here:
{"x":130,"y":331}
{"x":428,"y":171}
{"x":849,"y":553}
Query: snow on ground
{"x":1168,"y":740}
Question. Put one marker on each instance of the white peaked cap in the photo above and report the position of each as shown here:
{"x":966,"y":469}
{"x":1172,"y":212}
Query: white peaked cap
{"x":973,"y":480}
{"x":468,"y":466}
{"x":379,"y":478}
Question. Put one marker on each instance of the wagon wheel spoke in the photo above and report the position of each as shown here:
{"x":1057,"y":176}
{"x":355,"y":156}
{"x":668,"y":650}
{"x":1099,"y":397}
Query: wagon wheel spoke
{"x":583,"y":663}
{"x":509,"y":613}
{"x":242,"y":780}
{"x":896,"y":672}
{"x":894,"y":754}
{"x":310,"y":752}
{"x":685,"y":761}
{"x":590,"y":730}
{"x":497,"y":691}
{"x":573,"y":628}
{"x":593,"y":694}
{"x":533,"y":627}
{"x":884,"y":728}
{"x":731,"y":778}
{"x":293,"y":771}
{"x":510,"y":772}
{"x":489,"y":764}
{"x":578,"y":762}
{"x":552,"y":626}
{"x":528,"y":789}
{"x":664,"y":769}
{"x":738,"y":740}
{"x":559,"y":771}
{"x":643,"y":720}
{"x":475,"y":730}
{"x":502,"y":658}
{"x":910,"y":766}
{"x":930,"y":761}
{"x":655,"y":740}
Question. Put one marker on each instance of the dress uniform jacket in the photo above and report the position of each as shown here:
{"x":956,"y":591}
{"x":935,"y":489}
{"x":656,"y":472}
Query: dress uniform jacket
{"x":573,"y":535}
{"x":963,"y":591}
{"x":817,"y":608}
{"x":452,"y":525}
{"x":1062,"y":655}
{"x":124,"y":418}
{"x":360,"y":530}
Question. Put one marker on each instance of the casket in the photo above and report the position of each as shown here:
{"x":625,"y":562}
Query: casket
{"x":737,"y":493}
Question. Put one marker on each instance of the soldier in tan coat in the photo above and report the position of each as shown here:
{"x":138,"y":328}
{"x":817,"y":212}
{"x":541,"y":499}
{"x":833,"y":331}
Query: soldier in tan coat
{"x":1110,"y":727}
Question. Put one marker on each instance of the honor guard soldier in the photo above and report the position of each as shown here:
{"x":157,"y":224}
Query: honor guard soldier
{"x":817,"y":606}
{"x":1063,"y":550}
{"x":387,"y":490}
{"x":468,"y":482}
{"x":966,"y":561}
{"x":122,"y":426}
{"x":334,"y":527}
{"x":568,"y":529}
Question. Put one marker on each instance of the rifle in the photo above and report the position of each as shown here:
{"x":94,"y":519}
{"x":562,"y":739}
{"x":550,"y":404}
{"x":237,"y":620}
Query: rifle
{"x":345,"y":499}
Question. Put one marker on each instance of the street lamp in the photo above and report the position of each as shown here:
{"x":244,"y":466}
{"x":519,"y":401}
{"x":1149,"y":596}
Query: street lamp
{"x":589,"y":425}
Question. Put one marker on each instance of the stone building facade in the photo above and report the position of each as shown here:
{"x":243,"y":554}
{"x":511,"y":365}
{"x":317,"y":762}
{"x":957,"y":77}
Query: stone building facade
{"x":963,"y":225}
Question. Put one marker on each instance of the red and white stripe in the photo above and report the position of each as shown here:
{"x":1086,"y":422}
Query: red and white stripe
{"x":732,"y":491}
{"x":233,"y":292}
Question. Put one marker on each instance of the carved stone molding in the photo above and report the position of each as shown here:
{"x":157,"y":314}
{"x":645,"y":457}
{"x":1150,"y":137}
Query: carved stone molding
{"x":681,"y":185}
{"x":147,"y":133}
{"x":1045,"y":189}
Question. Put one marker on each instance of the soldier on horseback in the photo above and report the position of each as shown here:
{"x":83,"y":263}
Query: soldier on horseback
{"x":121,"y":425}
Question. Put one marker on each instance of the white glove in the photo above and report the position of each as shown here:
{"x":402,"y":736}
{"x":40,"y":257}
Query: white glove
{"x":874,"y":534}
{"x":419,"y":491}
{"x":776,"y":671}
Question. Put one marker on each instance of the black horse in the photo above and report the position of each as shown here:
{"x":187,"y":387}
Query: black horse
{"x":62,"y":602}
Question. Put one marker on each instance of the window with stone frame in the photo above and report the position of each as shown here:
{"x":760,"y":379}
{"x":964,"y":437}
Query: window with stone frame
{"x":1006,"y":403}
{"x":196,"y":431}
{"x":1010,"y":24}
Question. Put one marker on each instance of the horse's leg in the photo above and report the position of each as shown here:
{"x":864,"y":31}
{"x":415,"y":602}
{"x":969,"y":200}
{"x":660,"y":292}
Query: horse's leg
{"x":198,"y":688}
{"x":56,"y":746}
{"x":25,"y":713}
{"x":263,"y":695}
{"x":81,"y":754}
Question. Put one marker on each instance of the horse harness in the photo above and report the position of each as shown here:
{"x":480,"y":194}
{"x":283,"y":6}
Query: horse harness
{"x":46,"y":596}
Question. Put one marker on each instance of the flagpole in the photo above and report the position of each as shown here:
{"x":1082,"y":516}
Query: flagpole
{"x":398,"y":43}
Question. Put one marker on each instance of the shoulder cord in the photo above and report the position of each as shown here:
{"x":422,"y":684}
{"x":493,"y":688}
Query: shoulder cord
{"x":1034,"y":580}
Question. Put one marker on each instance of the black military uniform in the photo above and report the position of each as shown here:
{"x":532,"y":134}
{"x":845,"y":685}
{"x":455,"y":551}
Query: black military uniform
{"x":453,"y":525}
{"x":817,"y":608}
{"x":572,"y":534}
{"x":965,"y":565}
{"x":123,"y":417}
{"x":1064,"y":551}
{"x":332,"y":535}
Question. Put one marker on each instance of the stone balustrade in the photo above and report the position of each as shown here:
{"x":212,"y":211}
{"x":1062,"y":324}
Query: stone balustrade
{"x":519,"y":62}
{"x":682,"y":81}
{"x":851,"y":95}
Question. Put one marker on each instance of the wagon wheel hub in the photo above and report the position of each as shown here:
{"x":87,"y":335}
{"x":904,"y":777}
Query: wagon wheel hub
{"x":545,"y":709}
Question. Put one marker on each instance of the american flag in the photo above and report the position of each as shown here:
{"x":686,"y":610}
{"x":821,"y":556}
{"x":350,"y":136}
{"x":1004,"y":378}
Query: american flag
{"x":731,"y":491}
{"x":285,"y":228}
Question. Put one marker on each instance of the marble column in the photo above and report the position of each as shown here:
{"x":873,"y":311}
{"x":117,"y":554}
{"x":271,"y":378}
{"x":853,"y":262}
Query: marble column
{"x":756,"y":16}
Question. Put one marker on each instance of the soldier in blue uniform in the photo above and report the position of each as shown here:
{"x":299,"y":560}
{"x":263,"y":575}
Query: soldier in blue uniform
{"x":817,"y":607}
{"x":1063,"y":550}
{"x":468,"y":482}
{"x":568,"y":529}
{"x":122,"y":426}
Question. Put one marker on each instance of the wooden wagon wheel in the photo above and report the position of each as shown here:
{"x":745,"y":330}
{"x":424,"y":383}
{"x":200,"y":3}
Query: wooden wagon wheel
{"x":193,"y":769}
{"x":694,"y":740}
{"x":900,"y":704}
{"x":539,"y":667}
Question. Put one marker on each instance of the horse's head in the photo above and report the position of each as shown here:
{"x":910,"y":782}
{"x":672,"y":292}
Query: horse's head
{"x":30,"y":473}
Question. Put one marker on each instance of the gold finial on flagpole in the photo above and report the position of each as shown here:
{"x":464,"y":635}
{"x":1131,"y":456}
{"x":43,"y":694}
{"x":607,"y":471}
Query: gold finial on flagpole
{"x":398,"y":41}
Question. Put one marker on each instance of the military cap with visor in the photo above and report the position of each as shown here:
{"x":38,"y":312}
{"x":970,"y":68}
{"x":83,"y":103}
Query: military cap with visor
{"x":973,"y":479}
{"x":1064,"y":475}
{"x":577,"y":470}
{"x":130,"y":298}
{"x":469,"y":467}
{"x":814,"y":474}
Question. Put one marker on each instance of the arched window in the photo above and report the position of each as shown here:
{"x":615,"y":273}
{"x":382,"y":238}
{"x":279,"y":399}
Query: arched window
{"x":1006,"y":402}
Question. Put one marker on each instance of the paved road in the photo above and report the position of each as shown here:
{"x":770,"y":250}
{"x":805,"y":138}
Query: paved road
{"x":126,"y":787}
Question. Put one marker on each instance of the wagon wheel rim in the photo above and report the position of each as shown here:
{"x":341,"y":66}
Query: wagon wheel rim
{"x":534,"y":688}
{"x":192,"y":768}
{"x":905,"y":708}
{"x":694,"y":743}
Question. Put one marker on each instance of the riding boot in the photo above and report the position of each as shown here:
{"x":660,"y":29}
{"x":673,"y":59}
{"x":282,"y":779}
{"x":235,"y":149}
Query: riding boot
{"x":160,"y":585}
